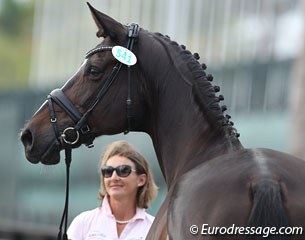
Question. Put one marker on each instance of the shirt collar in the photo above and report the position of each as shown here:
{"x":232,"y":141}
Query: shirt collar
{"x":140,"y":212}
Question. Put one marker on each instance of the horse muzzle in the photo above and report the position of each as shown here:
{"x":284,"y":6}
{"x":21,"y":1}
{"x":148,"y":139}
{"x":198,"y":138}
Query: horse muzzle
{"x":46,"y":153}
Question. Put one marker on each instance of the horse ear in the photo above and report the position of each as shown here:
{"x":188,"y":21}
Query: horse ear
{"x":107,"y":26}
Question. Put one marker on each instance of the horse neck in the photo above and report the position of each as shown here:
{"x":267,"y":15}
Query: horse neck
{"x":182,"y":136}
{"x":183,"y":139}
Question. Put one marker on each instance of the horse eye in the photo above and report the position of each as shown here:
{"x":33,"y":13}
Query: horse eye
{"x":93,"y":71}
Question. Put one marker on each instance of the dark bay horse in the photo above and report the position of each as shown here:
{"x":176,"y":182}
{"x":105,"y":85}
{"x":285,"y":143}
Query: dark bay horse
{"x":212,"y":180}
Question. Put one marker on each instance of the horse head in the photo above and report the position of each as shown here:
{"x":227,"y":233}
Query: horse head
{"x":166,"y":94}
{"x":79,"y":112}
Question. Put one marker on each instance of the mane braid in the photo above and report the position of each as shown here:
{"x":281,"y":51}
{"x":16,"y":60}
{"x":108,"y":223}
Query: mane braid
{"x":204,"y":92}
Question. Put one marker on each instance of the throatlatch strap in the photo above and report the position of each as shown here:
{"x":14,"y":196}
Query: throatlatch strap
{"x":133,"y":33}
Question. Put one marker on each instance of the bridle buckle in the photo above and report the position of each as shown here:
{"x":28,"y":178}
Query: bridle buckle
{"x":85,"y":129}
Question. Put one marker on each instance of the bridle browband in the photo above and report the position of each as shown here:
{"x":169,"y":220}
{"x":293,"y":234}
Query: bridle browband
{"x":72,"y":137}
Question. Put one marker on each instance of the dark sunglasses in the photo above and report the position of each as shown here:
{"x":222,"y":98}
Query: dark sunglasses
{"x":121,"y":171}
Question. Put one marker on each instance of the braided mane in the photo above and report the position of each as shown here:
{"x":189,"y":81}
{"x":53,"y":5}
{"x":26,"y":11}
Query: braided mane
{"x":204,"y":92}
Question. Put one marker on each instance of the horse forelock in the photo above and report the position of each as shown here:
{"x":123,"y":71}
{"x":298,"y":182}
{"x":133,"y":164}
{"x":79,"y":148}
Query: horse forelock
{"x":204,"y":92}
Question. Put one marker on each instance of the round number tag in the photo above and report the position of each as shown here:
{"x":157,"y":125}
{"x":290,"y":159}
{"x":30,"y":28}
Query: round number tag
{"x":124,"y":55}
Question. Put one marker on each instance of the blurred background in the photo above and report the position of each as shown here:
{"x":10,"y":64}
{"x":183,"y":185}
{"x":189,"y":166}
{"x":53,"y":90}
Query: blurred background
{"x":254,"y":49}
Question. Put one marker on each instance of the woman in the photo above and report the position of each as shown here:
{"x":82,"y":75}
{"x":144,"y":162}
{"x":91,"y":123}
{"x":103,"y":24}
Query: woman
{"x":126,"y":189}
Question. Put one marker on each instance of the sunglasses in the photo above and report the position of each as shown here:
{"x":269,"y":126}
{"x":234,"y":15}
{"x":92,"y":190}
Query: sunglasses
{"x":121,"y":171}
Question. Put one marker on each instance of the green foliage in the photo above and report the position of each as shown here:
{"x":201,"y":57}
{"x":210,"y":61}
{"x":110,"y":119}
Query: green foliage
{"x":16,"y":20}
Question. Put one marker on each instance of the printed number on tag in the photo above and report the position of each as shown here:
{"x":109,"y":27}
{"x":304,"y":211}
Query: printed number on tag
{"x":124,"y":55}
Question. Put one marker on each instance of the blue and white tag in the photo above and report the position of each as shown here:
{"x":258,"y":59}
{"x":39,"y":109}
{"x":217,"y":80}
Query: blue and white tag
{"x":124,"y":55}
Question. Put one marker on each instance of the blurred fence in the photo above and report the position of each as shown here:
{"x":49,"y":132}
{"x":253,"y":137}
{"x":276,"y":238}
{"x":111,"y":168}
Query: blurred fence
{"x":230,"y":32}
{"x":255,"y":86}
{"x":21,"y":230}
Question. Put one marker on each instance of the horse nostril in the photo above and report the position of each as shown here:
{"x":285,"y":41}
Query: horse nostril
{"x":26,"y":138}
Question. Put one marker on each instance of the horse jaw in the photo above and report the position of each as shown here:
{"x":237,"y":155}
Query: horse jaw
{"x":49,"y":157}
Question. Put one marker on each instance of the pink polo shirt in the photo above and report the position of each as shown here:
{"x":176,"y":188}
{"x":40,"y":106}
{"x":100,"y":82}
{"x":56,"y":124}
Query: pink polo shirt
{"x":99,"y":224}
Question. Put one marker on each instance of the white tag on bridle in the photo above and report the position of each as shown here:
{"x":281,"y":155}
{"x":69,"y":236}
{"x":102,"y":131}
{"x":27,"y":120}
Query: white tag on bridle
{"x":124,"y":55}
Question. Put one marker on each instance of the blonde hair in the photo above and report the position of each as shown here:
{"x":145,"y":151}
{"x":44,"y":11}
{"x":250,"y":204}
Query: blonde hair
{"x":148,"y":191}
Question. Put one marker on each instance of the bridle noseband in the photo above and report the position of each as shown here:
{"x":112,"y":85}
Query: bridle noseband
{"x":73,"y":136}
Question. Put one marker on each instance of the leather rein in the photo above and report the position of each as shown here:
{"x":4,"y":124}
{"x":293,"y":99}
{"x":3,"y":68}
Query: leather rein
{"x":72,"y":137}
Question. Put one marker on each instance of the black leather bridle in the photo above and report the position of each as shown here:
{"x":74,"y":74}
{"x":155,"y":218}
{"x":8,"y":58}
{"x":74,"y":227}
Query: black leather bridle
{"x":72,"y":137}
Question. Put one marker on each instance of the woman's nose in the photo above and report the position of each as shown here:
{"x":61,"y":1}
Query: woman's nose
{"x":114,"y":175}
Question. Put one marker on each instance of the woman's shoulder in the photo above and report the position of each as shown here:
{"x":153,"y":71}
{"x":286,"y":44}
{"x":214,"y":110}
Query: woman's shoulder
{"x":89,"y":214}
{"x":81,"y":223}
{"x":149,"y":218}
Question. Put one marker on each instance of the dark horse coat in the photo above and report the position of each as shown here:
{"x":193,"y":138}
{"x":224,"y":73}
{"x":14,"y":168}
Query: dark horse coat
{"x":212,"y":180}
